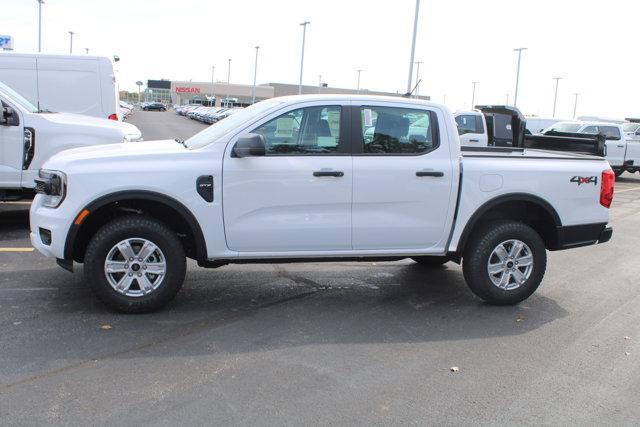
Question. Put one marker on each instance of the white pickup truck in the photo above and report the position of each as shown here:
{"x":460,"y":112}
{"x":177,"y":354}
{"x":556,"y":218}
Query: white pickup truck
{"x":294,"y":179}
{"x":29,"y":136}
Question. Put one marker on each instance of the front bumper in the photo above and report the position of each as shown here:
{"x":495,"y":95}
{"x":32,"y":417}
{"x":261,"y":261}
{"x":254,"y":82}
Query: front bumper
{"x":55,"y":220}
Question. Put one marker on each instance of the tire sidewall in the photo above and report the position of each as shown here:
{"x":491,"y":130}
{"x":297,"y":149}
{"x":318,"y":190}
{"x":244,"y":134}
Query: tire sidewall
{"x":126,"y":228}
{"x":477,"y":275}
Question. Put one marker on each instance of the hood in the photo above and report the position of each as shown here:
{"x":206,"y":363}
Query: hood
{"x":116,"y":154}
{"x":95,"y":122}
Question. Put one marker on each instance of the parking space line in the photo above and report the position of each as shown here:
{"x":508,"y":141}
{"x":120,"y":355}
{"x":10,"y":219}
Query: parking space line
{"x":16,"y":249}
{"x":627,"y":189}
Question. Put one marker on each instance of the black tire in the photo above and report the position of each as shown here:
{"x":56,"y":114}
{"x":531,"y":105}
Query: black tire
{"x":128,"y":227}
{"x":431,"y":261}
{"x":618,"y":172}
{"x":477,"y":254}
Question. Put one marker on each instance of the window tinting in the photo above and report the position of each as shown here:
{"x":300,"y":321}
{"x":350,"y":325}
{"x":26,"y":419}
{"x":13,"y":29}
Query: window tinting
{"x":391,"y":130}
{"x":469,"y":124}
{"x":311,"y":130}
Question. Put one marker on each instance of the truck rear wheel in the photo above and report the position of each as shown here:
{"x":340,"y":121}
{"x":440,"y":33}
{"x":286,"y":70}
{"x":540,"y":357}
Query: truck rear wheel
{"x":504,"y":262}
{"x":135,"y":264}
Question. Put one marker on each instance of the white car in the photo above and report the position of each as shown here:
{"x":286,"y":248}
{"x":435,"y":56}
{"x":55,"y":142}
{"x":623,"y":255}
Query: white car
{"x":294,"y":179}
{"x":79,"y":84}
{"x":622,"y":153}
{"x":28,"y":137}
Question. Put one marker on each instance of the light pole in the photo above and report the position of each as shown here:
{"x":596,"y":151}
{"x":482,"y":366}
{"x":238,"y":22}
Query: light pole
{"x":139,"y":84}
{"x":71,"y":33}
{"x":255,"y":73}
{"x":228,"y":83}
{"x":413,"y":45}
{"x":213,"y":92}
{"x":555,"y":97}
{"x":473,"y":94}
{"x":304,"y":34}
{"x":515,"y":94}
{"x":575,"y":104}
{"x":86,"y":50}
{"x":40,"y":3}
{"x":359,"y":71}
{"x":417,"y":78}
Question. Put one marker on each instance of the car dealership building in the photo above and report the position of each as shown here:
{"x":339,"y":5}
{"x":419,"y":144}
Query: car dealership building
{"x":188,"y":92}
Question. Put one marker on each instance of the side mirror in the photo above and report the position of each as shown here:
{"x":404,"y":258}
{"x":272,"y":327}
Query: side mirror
{"x":251,"y":144}
{"x":7,"y":115}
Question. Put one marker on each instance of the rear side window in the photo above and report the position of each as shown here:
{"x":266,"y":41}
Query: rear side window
{"x":393,"y":130}
{"x":469,"y":123}
{"x":611,"y":132}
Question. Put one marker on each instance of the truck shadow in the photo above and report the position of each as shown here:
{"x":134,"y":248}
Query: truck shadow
{"x":255,"y":308}
{"x":14,"y":222}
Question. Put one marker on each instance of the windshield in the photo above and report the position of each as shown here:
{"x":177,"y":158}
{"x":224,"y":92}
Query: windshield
{"x":17,"y":98}
{"x":221,"y":128}
{"x":564,"y":127}
{"x":631,"y":127}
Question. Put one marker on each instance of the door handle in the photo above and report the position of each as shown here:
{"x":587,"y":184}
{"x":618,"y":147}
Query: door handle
{"x":430,"y":173}
{"x":620,"y":146}
{"x":474,"y":140}
{"x":328,"y":173}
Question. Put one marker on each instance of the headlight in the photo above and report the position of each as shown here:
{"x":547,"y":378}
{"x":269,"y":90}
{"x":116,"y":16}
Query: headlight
{"x":53,"y":185}
{"x":132,"y":137}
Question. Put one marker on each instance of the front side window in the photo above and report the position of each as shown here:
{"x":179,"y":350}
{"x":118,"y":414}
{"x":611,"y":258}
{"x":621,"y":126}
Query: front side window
{"x":469,"y":123}
{"x":393,"y":130}
{"x":631,"y":127}
{"x":590,"y":130}
{"x":310,"y":130}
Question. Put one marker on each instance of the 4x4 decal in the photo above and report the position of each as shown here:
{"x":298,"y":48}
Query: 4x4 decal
{"x":584,"y":180}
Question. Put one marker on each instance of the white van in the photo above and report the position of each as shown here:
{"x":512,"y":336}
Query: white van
{"x":63,"y":83}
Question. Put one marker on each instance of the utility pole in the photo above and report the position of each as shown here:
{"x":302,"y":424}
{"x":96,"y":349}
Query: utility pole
{"x":40,"y":3}
{"x":515,"y":94}
{"x":228,"y":83}
{"x":319,"y":82}
{"x":71,"y":33}
{"x":473,"y":94}
{"x":555,"y":97}
{"x":304,"y":34}
{"x":413,"y":45}
{"x":255,"y":73}
{"x":575,"y":104}
{"x":417,"y":78}
{"x":359,"y":71}
{"x":213,"y":91}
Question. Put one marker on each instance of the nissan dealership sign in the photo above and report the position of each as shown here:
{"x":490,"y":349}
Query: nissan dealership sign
{"x":186,"y":89}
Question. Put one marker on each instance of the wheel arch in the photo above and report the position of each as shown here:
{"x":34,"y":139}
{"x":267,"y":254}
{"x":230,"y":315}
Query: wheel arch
{"x":527,"y":208}
{"x":172,"y":212}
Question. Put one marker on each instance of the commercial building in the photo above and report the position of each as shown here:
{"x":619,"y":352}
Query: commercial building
{"x":188,"y":92}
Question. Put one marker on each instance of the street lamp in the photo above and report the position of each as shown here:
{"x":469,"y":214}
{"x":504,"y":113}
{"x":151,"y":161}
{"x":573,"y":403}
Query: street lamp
{"x":40,"y":3}
{"x":413,"y":45}
{"x":575,"y":104}
{"x":213,"y":92}
{"x":555,"y":98}
{"x":228,"y":83}
{"x":255,"y":73}
{"x":473,"y":94}
{"x":71,"y":33}
{"x":515,"y":94}
{"x":417,"y":78}
{"x":359,"y":71}
{"x":139,"y":84}
{"x":304,"y":34}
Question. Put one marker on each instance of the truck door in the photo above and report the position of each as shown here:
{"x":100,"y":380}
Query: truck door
{"x":616,"y":145}
{"x":402,"y":178}
{"x":11,"y":149}
{"x":296,"y":197}
{"x":471,"y":129}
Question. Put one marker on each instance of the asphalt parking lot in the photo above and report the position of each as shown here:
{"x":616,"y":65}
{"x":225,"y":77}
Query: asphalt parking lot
{"x":336,"y":343}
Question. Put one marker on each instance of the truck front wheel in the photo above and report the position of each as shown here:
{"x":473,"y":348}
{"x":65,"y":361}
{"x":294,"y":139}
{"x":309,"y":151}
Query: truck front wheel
{"x":135,"y":264}
{"x":504,"y":262}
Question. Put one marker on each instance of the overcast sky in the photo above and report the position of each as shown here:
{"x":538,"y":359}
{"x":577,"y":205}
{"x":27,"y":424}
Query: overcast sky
{"x":591,"y":44}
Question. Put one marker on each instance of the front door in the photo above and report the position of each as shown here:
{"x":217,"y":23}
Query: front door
{"x":402,"y":179}
{"x":616,"y":145}
{"x":471,"y":130}
{"x":11,"y":150}
{"x":298,"y":196}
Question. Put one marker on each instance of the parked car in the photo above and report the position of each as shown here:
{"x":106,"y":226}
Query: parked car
{"x":623,"y":154}
{"x":79,"y":84}
{"x":631,"y":131}
{"x":29,"y":136}
{"x":255,"y":187}
{"x":471,"y":128}
{"x":154,"y":106}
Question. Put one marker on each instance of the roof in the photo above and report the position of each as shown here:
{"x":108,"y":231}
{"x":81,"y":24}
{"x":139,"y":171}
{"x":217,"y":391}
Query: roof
{"x":360,"y":98}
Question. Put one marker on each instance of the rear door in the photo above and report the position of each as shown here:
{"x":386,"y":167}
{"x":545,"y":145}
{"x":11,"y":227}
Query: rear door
{"x":471,"y":130}
{"x":298,"y":196}
{"x":402,"y":178}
